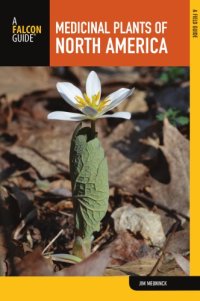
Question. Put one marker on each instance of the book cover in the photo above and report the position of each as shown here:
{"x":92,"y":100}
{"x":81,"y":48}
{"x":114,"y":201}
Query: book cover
{"x":99,"y":159}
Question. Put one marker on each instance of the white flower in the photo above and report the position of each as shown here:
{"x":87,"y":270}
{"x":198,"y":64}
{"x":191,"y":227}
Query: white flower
{"x":90,"y":103}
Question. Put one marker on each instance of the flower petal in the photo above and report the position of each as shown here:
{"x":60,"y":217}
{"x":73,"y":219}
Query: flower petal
{"x":59,"y":115}
{"x":93,"y":85}
{"x":124,"y":115}
{"x":68,"y":92}
{"x":116,"y":98}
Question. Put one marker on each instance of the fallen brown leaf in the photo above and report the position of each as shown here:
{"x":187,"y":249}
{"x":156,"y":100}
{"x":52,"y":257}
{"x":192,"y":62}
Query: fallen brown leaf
{"x":34,"y":264}
{"x":141,"y":266}
{"x":43,"y":167}
{"x":175,"y":193}
{"x":135,"y":104}
{"x":18,"y":81}
{"x":127,"y":248}
{"x":161,"y":170}
{"x":170,"y":268}
{"x":179,"y":242}
{"x":94,"y":265}
{"x":183,"y":263}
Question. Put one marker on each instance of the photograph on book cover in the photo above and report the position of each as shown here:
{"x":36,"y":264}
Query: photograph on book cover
{"x":99,"y":155}
{"x":94,"y":171}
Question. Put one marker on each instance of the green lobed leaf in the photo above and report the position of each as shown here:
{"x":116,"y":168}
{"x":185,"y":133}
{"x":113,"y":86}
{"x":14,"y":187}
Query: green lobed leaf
{"x":160,"y":116}
{"x":89,"y":175}
{"x":182,"y":120}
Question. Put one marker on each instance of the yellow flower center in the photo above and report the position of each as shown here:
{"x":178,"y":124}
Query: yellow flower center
{"x":94,"y":103}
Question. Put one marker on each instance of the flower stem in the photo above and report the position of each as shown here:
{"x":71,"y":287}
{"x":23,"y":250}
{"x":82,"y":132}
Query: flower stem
{"x":93,"y":126}
{"x":82,"y":247}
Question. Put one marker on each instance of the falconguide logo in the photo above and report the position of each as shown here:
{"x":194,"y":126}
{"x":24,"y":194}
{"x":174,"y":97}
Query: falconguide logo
{"x":24,"y":33}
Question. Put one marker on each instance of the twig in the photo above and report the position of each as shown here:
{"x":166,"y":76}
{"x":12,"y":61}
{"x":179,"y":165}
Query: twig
{"x":102,"y":235}
{"x":52,"y":241}
{"x":18,"y":229}
{"x":65,"y":213}
{"x":160,"y":259}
